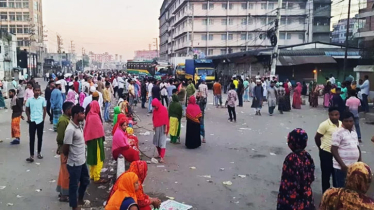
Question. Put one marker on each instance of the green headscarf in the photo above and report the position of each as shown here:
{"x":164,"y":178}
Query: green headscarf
{"x":117,"y":111}
{"x":175,"y":108}
{"x":339,"y":84}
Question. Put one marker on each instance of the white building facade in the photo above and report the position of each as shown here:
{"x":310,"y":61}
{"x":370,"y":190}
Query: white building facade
{"x":220,"y":27}
{"x":8,"y":55}
{"x":340,"y":30}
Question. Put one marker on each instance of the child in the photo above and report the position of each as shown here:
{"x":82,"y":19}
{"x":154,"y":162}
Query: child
{"x":17,"y":109}
{"x":353,"y":104}
{"x":297,"y":174}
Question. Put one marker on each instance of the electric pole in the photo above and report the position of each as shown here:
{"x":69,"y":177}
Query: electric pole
{"x":275,"y":50}
{"x":156,"y":46}
{"x":82,"y":59}
{"x":346,"y":39}
{"x":59,"y":49}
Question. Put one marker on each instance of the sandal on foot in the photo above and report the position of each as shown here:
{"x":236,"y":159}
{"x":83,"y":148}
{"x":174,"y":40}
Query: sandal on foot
{"x":30,"y":160}
{"x":40,"y":156}
{"x":86,"y":204}
{"x":101,"y":181}
{"x":66,"y":199}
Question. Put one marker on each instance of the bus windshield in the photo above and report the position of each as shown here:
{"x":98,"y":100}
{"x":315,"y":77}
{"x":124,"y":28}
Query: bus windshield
{"x":180,"y":67}
{"x":207,"y":72}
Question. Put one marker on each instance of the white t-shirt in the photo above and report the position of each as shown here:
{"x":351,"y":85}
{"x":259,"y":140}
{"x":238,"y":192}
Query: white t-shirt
{"x":63,"y":84}
{"x":164,"y":92}
{"x":347,"y":142}
{"x":332,"y":80}
{"x":121,"y":83}
{"x":203,"y":88}
{"x":88,"y":100}
{"x":115,"y":83}
{"x":150,"y":86}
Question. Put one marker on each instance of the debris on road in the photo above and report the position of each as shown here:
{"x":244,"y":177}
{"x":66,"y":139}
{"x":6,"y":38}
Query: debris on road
{"x":18,"y":196}
{"x":38,"y":190}
{"x":232,"y":162}
{"x":9,"y":204}
{"x":242,"y":176}
{"x":147,"y":133}
{"x":228,"y":183}
{"x":154,"y":160}
{"x":2,"y":187}
{"x":222,"y":169}
{"x":101,"y":187}
{"x":103,"y":170}
{"x":193,"y":167}
{"x":52,"y":181}
{"x":57,"y":156}
{"x":171,"y":198}
{"x":160,"y":166}
{"x":37,"y":164}
{"x":206,"y":176}
{"x":271,"y":153}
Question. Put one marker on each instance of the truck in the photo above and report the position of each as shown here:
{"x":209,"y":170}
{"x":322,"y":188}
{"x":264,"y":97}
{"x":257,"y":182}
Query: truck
{"x":198,"y":68}
{"x":178,"y":64}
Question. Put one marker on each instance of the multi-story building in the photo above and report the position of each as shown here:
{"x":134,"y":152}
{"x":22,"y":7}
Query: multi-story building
{"x":220,"y":27}
{"x":141,"y":55}
{"x":367,"y":14}
{"x":24,"y":18}
{"x":101,"y":58}
{"x":339,"y":30}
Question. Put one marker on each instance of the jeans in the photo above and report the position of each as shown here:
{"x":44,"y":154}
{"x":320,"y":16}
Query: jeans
{"x":150,"y":104}
{"x":144,"y":98}
{"x":326,"y":169}
{"x":120,"y":92}
{"x":240,"y":97}
{"x":78,"y":175}
{"x":365,"y":104}
{"x":115,"y":89}
{"x":63,"y":97}
{"x":106,"y":111}
{"x":357,"y":125}
{"x":49,"y":111}
{"x":216,"y":99}
{"x":271,"y":109}
{"x":232,"y":112}
{"x":340,"y":178}
{"x":36,"y":128}
{"x":166,"y":99}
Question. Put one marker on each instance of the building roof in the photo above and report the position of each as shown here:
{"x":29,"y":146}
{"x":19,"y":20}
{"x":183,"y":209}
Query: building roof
{"x":298,"y":60}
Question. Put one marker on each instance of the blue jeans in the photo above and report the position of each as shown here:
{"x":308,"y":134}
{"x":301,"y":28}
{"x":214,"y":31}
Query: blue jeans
{"x":78,"y":175}
{"x":63,"y":97}
{"x":340,"y":178}
{"x":357,"y":126}
{"x":106,"y":111}
{"x":218,"y":98}
{"x":150,"y":104}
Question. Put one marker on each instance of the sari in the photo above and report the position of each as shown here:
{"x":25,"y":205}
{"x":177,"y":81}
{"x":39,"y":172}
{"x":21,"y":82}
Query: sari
{"x":193,"y":115}
{"x":296,"y":102}
{"x":352,"y":197}
{"x":125,"y":189}
{"x":175,"y":116}
{"x":121,"y":144}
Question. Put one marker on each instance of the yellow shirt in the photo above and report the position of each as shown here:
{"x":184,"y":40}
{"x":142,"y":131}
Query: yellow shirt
{"x":236,"y":83}
{"x":326,"y":128}
{"x":107,"y":95}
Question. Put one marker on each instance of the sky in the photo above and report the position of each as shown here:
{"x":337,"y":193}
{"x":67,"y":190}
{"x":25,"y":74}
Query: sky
{"x":113,"y":26}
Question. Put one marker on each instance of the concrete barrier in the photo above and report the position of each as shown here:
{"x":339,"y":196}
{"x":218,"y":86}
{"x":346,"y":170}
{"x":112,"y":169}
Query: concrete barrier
{"x":121,"y":166}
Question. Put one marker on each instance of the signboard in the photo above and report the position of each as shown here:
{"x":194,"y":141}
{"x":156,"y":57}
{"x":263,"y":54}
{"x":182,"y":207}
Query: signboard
{"x":173,"y":205}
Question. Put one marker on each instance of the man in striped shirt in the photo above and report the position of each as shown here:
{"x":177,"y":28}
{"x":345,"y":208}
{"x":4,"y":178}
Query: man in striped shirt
{"x":345,"y":148}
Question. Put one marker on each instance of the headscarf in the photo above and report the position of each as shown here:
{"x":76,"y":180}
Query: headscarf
{"x":353,"y":196}
{"x":117,"y":111}
{"x":119,"y":117}
{"x":339,"y":85}
{"x":193,"y":111}
{"x":299,"y":87}
{"x":93,"y":128}
{"x":120,"y":138}
{"x":125,"y":189}
{"x":160,"y":115}
{"x":175,"y":108}
{"x":285,"y":85}
{"x":297,"y":174}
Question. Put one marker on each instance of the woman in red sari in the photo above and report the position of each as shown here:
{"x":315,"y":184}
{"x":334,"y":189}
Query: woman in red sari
{"x":121,"y":143}
{"x":296,"y":102}
{"x":140,"y":168}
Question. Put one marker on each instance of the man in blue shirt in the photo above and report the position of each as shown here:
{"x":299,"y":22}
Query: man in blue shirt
{"x":35,"y":111}
{"x":56,"y":104}
{"x":170,"y":89}
{"x":365,"y":93}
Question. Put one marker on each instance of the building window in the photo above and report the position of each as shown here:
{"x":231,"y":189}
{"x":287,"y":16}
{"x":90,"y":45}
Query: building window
{"x":26,"y":29}
{"x":18,"y":4}
{"x":230,"y":50}
{"x":203,"y":37}
{"x":288,"y":36}
{"x":224,"y":21}
{"x":271,"y":20}
{"x":205,"y":22}
{"x":250,"y":36}
{"x":301,"y":36}
{"x":19,"y":29}
{"x":231,"y":21}
{"x":290,"y":5}
{"x":12,"y":29}
{"x":244,"y":5}
{"x":271,"y":6}
{"x":250,"y":6}
{"x":284,"y":5}
{"x":263,"y":21}
{"x":283,"y":21}
{"x":12,"y":16}
{"x":242,"y":49}
{"x":289,"y":21}
{"x":210,"y":51}
{"x":27,"y":42}
{"x":26,"y":16}
{"x":250,"y":21}
{"x":211,"y":21}
{"x":301,"y":20}
{"x":244,"y":21}
{"x":11,"y":4}
{"x":243,"y":36}
{"x":231,"y":36}
{"x":223,"y":51}
{"x":223,"y":37}
{"x":4,"y":28}
{"x":19,"y":41}
{"x":282,"y":35}
{"x":204,"y":6}
{"x":302,"y":5}
{"x":231,"y":6}
{"x":210,"y":36}
{"x":224,"y":6}
{"x":211,"y":6}
{"x":26,"y":4}
{"x":3,"y":16}
{"x":263,"y":5}
{"x":19,"y":16}
{"x":2,"y":3}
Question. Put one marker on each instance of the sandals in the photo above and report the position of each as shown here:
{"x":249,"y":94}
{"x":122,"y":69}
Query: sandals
{"x":30,"y":159}
{"x":65,"y":199}
{"x":101,"y":181}
{"x":40,"y":156}
{"x":86,"y":204}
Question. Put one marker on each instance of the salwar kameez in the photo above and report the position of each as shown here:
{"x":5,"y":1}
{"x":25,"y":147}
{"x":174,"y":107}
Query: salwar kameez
{"x":63,"y":177}
{"x":175,"y":129}
{"x":2,"y":101}
{"x":16,"y":131}
{"x":326,"y":100}
{"x":159,"y":140}
{"x":95,"y":157}
{"x":56,"y":115}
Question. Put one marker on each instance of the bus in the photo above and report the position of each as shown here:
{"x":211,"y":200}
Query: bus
{"x":141,"y":68}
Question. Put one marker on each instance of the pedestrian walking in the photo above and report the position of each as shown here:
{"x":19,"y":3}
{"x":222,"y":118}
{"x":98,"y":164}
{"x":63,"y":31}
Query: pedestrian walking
{"x":164,"y":94}
{"x":150,"y":93}
{"x":143,"y":90}
{"x":193,"y":115}
{"x":56,"y":104}
{"x":48,"y":93}
{"x":29,"y":92}
{"x":175,"y":117}
{"x":272,"y":98}
{"x":353,"y":104}
{"x":365,"y":93}
{"x":182,"y":97}
{"x":258,"y":97}
{"x":345,"y":148}
{"x":74,"y":150}
{"x":338,"y":102}
{"x":231,"y":101}
{"x":352,"y":196}
{"x":295,"y":191}
{"x":63,"y":84}
{"x":304,"y":92}
{"x":21,"y":90}
{"x":190,"y":90}
{"x":326,"y":95}
{"x":217,"y":92}
{"x":16,"y":105}
{"x":94,"y":137}
{"x":107,"y":100}
{"x":240,"y":91}
{"x":246,"y":90}
{"x":71,"y":95}
{"x":160,"y":127}
{"x":281,"y":93}
{"x":63,"y":177}
{"x":115,"y":86}
{"x":36,"y":111}
{"x":296,"y":102}
{"x":323,"y":141}
{"x":201,"y":101}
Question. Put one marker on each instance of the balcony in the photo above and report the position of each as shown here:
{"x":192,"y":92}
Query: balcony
{"x":321,"y":29}
{"x":365,"y":14}
{"x":322,"y":12}
{"x":169,"y":39}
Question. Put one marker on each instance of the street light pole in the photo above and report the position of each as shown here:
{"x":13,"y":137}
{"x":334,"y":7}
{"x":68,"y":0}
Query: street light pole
{"x":346,"y":39}
{"x":275,"y":50}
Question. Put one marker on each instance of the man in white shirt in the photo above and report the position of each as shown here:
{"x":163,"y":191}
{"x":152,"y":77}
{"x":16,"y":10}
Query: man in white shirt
{"x":121,"y":85}
{"x":63,"y":88}
{"x":115,"y":86}
{"x":332,"y":79}
{"x":365,"y":93}
{"x":88,"y":99}
{"x":164,"y":93}
{"x":203,"y":89}
{"x":149,"y":87}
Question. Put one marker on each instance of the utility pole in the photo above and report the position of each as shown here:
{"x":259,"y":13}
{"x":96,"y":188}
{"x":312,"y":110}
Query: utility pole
{"x":192,"y":29}
{"x":82,"y":59}
{"x":346,"y":39}
{"x":156,"y":46}
{"x":59,"y":49}
{"x":275,"y":50}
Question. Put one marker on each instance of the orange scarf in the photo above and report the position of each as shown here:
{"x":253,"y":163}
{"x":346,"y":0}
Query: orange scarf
{"x":125,"y":189}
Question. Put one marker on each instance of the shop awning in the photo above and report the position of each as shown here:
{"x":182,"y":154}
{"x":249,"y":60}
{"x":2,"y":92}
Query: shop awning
{"x":299,"y":60}
{"x":364,"y":68}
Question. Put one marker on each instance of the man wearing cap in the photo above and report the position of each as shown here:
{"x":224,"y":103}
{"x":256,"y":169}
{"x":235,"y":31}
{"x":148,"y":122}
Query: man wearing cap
{"x":88,"y":99}
{"x":56,"y":104}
